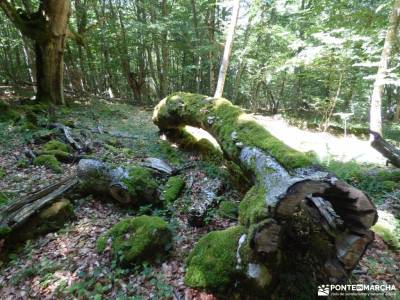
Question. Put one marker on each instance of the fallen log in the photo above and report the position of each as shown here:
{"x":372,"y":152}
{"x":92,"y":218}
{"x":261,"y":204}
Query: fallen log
{"x":299,"y":225}
{"x":386,"y":149}
{"x":132,"y":186}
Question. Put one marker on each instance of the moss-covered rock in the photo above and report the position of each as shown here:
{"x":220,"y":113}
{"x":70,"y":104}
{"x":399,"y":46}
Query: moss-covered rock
{"x":137,"y":239}
{"x":173,"y":188}
{"x":212,"y":263}
{"x":49,"y":161}
{"x":55,"y":145}
{"x":141,"y":184}
{"x":228,"y":209}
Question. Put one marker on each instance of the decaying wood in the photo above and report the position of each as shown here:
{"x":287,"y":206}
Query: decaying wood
{"x":92,"y":176}
{"x":203,"y":197}
{"x":305,"y":215}
{"x":158,"y":165}
{"x":386,"y":149}
{"x":79,"y":143}
{"x":18,"y":212}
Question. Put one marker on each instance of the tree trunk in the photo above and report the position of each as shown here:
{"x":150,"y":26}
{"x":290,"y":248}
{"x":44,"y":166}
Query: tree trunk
{"x":50,"y":70}
{"x":379,"y":84}
{"x":300,"y":225}
{"x":48,"y":28}
{"x":228,"y":49}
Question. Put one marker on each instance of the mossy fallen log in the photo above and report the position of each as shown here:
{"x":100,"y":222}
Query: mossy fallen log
{"x":301,"y":225}
{"x":134,"y":186}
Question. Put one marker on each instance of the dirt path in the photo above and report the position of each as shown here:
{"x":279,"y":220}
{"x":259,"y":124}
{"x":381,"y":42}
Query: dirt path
{"x":325,"y":145}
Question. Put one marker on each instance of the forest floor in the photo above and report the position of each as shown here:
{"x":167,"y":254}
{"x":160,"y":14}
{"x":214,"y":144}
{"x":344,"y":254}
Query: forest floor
{"x":66,"y":265}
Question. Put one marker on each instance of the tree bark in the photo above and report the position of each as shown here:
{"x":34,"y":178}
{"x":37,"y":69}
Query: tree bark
{"x":386,"y":149}
{"x":228,"y":49}
{"x":379,"y":84}
{"x":48,"y":28}
{"x":299,"y":223}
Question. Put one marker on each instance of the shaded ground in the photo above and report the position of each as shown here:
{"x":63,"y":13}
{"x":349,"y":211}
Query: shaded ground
{"x":65,"y":265}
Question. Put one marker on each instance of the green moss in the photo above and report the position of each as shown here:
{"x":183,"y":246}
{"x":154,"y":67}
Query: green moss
{"x":49,"y":161}
{"x":3,"y":199}
{"x":212,"y":263}
{"x":22,"y":163}
{"x":140,"y":182}
{"x":388,"y":228}
{"x":228,"y":209}
{"x":60,"y":155}
{"x":4,"y":231}
{"x":2,"y":173}
{"x":55,"y":145}
{"x":390,"y":185}
{"x":137,"y":239}
{"x":173,"y":188}
{"x":7,"y":112}
{"x":196,"y":110}
{"x":252,"y":208}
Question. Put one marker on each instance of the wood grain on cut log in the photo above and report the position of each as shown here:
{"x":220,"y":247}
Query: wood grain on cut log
{"x":386,"y":149}
{"x":302,"y":223}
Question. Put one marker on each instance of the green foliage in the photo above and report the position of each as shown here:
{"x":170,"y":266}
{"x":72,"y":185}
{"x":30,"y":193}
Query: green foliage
{"x":173,"y":188}
{"x":137,"y":239}
{"x":375,"y":182}
{"x":45,"y":267}
{"x":212,"y":263}
{"x":228,"y":209}
{"x":49,"y":161}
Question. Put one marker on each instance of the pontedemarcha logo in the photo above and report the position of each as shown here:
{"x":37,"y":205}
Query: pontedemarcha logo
{"x":323,"y":290}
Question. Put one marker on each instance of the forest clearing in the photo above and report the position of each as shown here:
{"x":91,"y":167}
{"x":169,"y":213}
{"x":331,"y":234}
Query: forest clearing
{"x":199,"y":150}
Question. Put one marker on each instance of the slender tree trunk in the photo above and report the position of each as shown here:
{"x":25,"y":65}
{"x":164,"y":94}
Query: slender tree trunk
{"x":228,"y":49}
{"x":379,"y":84}
{"x":211,"y":38}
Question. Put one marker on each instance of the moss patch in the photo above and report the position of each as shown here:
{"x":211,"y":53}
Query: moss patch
{"x":49,"y":161}
{"x":137,"y":239}
{"x":228,"y":209}
{"x":252,"y":208}
{"x":388,"y":228}
{"x":173,"y":188}
{"x":141,"y":183}
{"x":2,"y":173}
{"x":212,"y":263}
{"x":55,"y":145}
